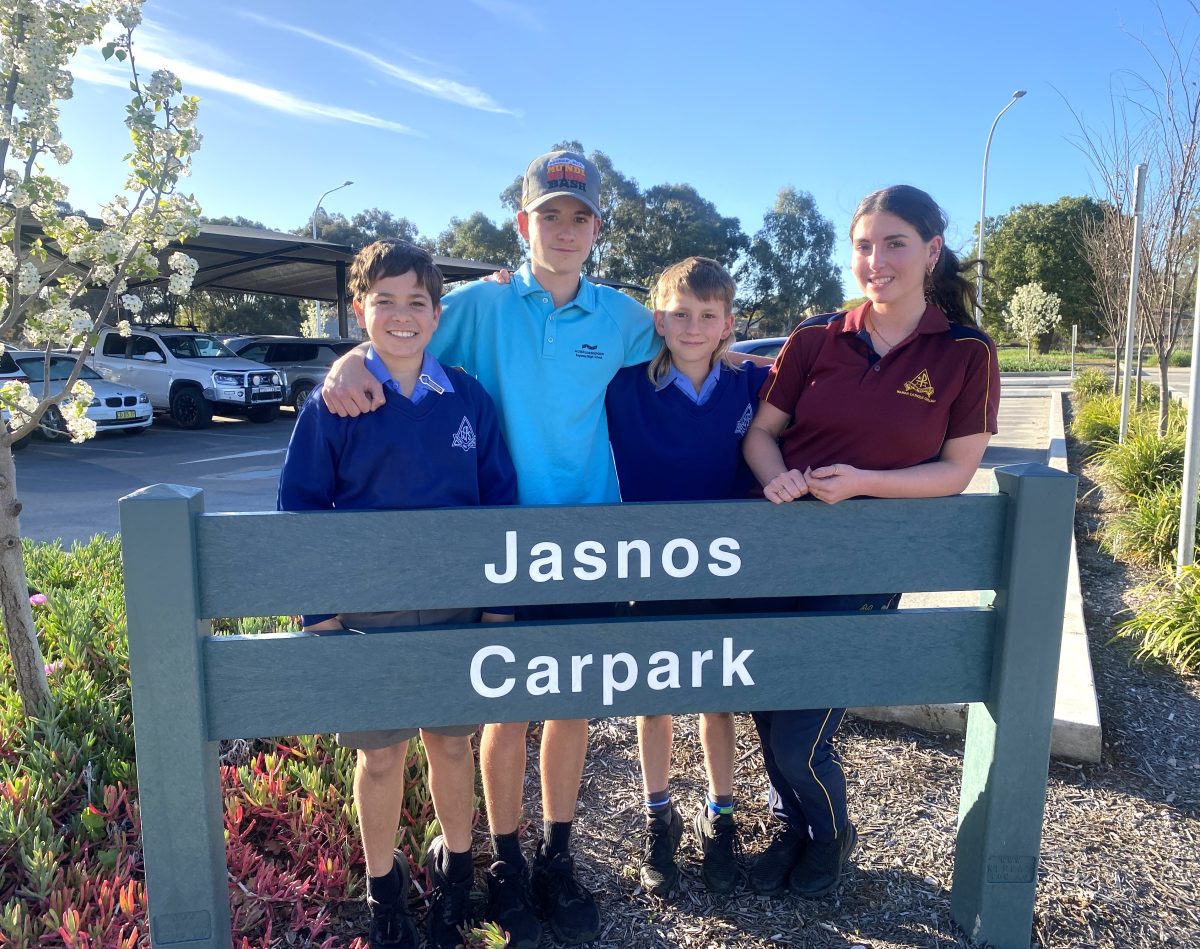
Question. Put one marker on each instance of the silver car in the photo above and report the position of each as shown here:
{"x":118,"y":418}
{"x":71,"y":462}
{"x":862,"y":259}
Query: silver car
{"x":303,"y":362}
{"x":113,"y":407}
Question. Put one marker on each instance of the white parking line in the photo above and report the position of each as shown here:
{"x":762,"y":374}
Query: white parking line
{"x":244,"y":454}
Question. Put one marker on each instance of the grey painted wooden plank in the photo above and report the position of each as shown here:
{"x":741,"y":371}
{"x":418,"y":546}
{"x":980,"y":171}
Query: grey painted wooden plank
{"x":428,"y":559}
{"x":298,"y":684}
{"x":1008,"y":735}
{"x":179,"y":791}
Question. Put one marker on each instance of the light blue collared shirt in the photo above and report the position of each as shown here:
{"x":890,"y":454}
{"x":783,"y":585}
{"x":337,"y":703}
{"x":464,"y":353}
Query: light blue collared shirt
{"x":684,"y":384}
{"x":432,"y":376}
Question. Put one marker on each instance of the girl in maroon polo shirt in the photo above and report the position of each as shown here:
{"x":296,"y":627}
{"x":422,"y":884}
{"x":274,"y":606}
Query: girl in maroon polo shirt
{"x":894,"y":399}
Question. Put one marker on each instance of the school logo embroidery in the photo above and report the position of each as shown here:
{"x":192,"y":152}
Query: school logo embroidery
{"x":919,"y":387}
{"x":464,"y":438}
{"x":589,"y":351}
{"x":743,"y":424}
{"x":566,"y":173}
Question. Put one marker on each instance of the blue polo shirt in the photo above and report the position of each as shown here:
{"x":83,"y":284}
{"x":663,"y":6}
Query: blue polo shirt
{"x":547,"y":369}
{"x":433,"y":377}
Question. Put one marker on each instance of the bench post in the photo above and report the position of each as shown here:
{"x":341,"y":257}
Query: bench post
{"x":1008,"y":736}
{"x":178,"y":767}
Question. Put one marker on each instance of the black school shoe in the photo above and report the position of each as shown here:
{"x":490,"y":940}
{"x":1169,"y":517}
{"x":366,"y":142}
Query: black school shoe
{"x":392,"y":924}
{"x":658,"y":871}
{"x":820,"y":869}
{"x":561,"y":900}
{"x":449,"y":901}
{"x":718,"y":850}
{"x":769,"y":873}
{"x":510,"y":904}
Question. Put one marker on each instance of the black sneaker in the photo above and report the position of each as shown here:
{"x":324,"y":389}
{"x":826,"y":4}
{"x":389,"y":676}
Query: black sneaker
{"x":658,"y":871}
{"x":449,"y":901}
{"x":391,"y":923}
{"x":769,"y":873}
{"x":510,"y":905}
{"x":820,"y":869}
{"x":718,"y":846}
{"x":562,"y":902}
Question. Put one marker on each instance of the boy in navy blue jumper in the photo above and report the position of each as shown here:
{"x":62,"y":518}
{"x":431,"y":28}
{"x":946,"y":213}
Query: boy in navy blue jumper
{"x":435,"y":443}
{"x":676,"y":426}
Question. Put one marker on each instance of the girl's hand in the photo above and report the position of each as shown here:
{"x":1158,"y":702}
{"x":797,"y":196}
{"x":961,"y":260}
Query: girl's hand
{"x":501,"y":276}
{"x":785,"y":487}
{"x":833,"y":483}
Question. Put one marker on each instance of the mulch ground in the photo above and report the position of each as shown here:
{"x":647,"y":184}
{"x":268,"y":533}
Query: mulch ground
{"x":1121,"y":849}
{"x":1120,"y":860}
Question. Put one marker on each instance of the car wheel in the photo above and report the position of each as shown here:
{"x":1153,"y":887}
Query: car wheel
{"x":263,"y":413}
{"x":52,"y":426}
{"x":300,"y":394}
{"x":190,"y":409}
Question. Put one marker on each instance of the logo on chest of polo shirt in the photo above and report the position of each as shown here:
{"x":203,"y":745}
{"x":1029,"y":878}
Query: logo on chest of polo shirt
{"x":464,"y":438}
{"x":919,"y":387}
{"x":589,"y":351}
{"x":743,"y":424}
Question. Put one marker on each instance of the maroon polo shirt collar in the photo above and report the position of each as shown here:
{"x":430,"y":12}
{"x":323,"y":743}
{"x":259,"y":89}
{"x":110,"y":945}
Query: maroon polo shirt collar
{"x":932,"y":321}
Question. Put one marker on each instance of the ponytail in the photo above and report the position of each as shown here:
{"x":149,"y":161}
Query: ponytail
{"x":950,"y":291}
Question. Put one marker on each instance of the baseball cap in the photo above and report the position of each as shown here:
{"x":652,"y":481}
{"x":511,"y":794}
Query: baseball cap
{"x":558,"y":173}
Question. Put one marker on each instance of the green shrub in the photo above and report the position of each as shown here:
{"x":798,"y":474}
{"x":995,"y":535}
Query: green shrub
{"x":1097,"y":421}
{"x":1144,"y":462}
{"x":1181,"y":359}
{"x":1148,"y":531}
{"x":1168,"y":627}
{"x":1089,"y":383}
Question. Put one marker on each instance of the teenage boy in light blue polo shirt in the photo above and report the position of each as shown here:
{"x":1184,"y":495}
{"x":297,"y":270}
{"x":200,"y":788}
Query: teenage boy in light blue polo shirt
{"x":545,"y":346}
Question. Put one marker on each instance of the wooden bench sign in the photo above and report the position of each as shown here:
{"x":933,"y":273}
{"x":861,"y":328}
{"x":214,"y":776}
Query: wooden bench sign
{"x":190,"y":689}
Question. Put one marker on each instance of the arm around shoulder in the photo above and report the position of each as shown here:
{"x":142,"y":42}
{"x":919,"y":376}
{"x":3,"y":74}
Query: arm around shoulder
{"x":350,"y":389}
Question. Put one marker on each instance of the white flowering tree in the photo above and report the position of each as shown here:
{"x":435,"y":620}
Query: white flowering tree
{"x":51,"y":263}
{"x":1031,"y":312}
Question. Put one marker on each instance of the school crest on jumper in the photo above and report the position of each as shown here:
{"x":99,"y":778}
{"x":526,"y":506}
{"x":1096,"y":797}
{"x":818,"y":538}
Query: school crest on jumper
{"x":743,"y":424}
{"x":919,"y":386}
{"x":464,"y":438}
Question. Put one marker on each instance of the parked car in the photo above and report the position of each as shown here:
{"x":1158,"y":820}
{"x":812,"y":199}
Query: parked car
{"x":302,"y":362}
{"x":768,"y":346}
{"x":188,"y":374}
{"x":10,"y":370}
{"x":114,"y":408}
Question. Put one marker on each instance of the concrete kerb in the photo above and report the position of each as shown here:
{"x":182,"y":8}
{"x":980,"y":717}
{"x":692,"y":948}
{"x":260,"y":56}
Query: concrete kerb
{"x":1077,"y":733}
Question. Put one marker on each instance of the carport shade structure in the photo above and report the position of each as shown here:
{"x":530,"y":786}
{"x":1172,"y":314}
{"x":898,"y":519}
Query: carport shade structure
{"x":253,"y":260}
{"x":256,"y":260}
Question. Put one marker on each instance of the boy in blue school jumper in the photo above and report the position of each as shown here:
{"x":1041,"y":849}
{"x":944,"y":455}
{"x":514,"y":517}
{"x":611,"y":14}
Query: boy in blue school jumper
{"x":436,"y":442}
{"x":676,"y":425}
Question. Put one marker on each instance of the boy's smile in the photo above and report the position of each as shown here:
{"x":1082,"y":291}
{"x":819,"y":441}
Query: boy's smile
{"x":399,"y":317}
{"x":560,"y":232}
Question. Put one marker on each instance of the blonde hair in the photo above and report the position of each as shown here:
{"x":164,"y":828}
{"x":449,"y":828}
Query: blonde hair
{"x":703,"y":278}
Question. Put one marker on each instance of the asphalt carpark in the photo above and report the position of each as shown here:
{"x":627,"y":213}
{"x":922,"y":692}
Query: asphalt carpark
{"x":70,"y":492}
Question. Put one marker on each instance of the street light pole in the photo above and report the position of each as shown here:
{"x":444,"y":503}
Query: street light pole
{"x":320,"y":327}
{"x":983,"y":204}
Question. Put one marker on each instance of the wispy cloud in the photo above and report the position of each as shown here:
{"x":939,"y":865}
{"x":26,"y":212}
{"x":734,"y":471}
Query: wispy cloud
{"x":446,"y":89}
{"x":511,"y":12}
{"x":201,"y":77}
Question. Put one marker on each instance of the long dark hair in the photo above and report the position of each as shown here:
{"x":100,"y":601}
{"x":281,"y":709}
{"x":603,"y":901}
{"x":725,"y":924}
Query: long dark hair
{"x":947,"y":287}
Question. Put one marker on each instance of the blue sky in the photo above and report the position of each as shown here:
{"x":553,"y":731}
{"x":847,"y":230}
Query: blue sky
{"x":432,"y":109}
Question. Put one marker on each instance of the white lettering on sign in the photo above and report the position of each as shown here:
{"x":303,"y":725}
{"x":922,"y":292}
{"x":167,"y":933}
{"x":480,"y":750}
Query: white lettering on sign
{"x":492,"y":671}
{"x":679,"y":558}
